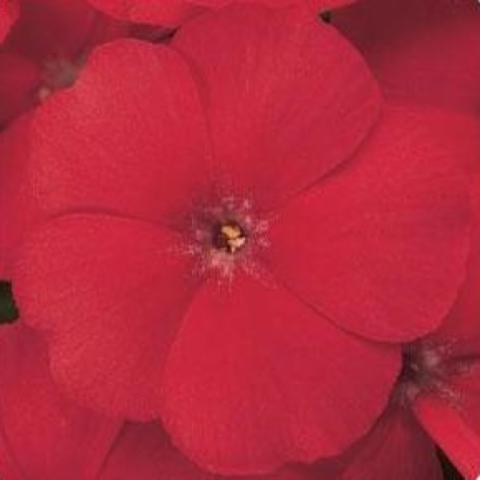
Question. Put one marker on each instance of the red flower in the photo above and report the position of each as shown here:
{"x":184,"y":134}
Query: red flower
{"x":8,"y":15}
{"x":43,"y":435}
{"x":176,"y":12}
{"x":439,"y":389}
{"x":185,"y":273}
{"x":412,"y":44}
{"x":46,"y":49}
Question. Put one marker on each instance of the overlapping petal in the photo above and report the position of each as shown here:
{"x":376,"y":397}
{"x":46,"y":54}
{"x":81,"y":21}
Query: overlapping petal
{"x":110,"y":293}
{"x":18,"y":210}
{"x":158,"y":12}
{"x":287,"y":98}
{"x":129,"y":137}
{"x":436,"y":403}
{"x":424,"y":51}
{"x":170,"y":112}
{"x":368,"y":241}
{"x":143,"y":451}
{"x":176,"y":12}
{"x":120,"y":289}
{"x":461,"y":329}
{"x":19,"y":81}
{"x":8,"y":14}
{"x":255,"y":378}
{"x":396,"y":449}
{"x":49,"y":28}
{"x":45,"y":31}
{"x":95,"y":178}
{"x":46,"y":48}
{"x":327,"y":5}
{"x":454,"y":424}
{"x":42,"y":434}
{"x":450,"y":413}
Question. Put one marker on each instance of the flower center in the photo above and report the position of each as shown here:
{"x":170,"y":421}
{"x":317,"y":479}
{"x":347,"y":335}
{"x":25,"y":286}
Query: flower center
{"x":420,"y":365}
{"x":427,"y":367}
{"x":226,"y":234}
{"x":229,"y":237}
{"x":58,"y":73}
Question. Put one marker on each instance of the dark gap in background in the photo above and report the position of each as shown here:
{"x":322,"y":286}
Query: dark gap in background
{"x":449,"y":471}
{"x":8,"y":309}
{"x":326,"y":17}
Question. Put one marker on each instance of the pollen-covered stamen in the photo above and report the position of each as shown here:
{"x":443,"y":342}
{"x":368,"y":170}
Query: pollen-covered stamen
{"x":229,"y":236}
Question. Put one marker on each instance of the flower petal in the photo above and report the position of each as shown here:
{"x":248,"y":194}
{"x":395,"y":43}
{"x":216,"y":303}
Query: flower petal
{"x":411,"y":44}
{"x":396,"y":448}
{"x":256,"y":379}
{"x":455,"y":427}
{"x":144,"y":451}
{"x":287,"y":98}
{"x":18,"y":211}
{"x":8,"y":15}
{"x":129,"y":137}
{"x":51,"y":28}
{"x":175,"y":12}
{"x":20,"y":79}
{"x":269,"y":3}
{"x":44,"y":435}
{"x":46,"y":48}
{"x":328,"y":5}
{"x":461,"y":329}
{"x":160,"y":12}
{"x":380,"y":246}
{"x":110,"y":293}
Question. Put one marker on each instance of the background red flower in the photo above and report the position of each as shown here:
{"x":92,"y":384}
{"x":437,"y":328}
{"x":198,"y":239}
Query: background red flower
{"x":8,"y":15}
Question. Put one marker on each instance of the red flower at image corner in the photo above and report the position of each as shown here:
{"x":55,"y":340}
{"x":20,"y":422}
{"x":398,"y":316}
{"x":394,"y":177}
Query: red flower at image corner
{"x":206,"y":246}
{"x":406,"y":45}
{"x":176,"y":12}
{"x":436,"y":401}
{"x":46,"y":48}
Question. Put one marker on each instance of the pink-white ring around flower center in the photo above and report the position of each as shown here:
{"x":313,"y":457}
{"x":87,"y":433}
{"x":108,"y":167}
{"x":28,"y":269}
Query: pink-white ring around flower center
{"x":227,"y":235}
